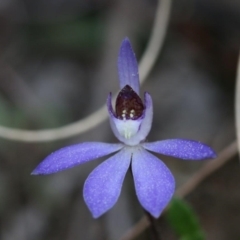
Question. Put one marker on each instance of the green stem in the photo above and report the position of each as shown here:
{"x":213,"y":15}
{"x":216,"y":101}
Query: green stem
{"x":154,"y":227}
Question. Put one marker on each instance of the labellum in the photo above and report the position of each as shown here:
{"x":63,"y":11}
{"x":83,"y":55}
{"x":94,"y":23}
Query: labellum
{"x":128,"y":104}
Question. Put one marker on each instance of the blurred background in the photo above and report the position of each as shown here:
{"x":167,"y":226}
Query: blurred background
{"x":58,"y":63}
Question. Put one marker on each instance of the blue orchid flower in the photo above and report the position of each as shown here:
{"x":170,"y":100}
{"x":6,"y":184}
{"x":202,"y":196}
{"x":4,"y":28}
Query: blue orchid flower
{"x":130,"y":122}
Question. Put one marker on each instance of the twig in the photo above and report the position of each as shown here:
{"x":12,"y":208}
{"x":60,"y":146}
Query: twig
{"x":210,"y":167}
{"x":137,"y":229}
{"x":237,"y":104}
{"x":225,"y":155}
{"x":94,"y":119}
{"x":156,"y":39}
{"x":153,"y":226}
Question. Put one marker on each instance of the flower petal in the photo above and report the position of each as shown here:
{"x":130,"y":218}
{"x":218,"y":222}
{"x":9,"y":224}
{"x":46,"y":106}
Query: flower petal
{"x":71,"y":156}
{"x":128,"y":67}
{"x":112,"y":119}
{"x":146,"y":123}
{"x":153,"y":181}
{"x":131,"y":132}
{"x":181,"y":148}
{"x":103,"y":186}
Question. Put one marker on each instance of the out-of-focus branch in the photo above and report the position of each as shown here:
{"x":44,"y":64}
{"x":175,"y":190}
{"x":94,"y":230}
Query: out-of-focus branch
{"x":156,"y":39}
{"x":237,"y":104}
{"x":146,"y":64}
{"x":225,"y":155}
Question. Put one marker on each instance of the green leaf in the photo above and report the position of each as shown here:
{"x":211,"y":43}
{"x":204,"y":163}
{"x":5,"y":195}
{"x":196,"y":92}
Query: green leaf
{"x":183,"y":220}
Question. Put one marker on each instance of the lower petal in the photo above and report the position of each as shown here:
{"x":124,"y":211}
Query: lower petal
{"x":103,"y":186}
{"x":154,"y":183}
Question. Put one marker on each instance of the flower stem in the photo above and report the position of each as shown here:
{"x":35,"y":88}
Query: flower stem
{"x":154,"y":227}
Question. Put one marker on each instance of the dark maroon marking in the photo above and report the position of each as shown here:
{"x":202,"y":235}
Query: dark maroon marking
{"x":127,"y":101}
